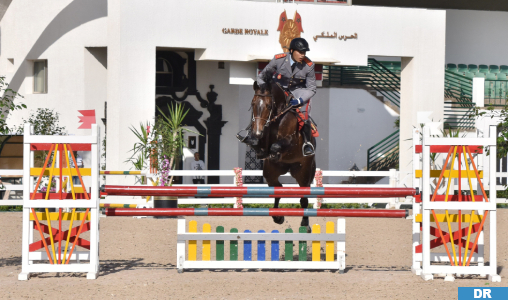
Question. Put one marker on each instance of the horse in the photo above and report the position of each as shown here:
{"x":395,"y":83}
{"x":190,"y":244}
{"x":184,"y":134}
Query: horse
{"x":274,"y":128}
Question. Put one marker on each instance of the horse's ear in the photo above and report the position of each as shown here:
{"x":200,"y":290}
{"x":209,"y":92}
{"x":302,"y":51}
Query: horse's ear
{"x":255,"y":86}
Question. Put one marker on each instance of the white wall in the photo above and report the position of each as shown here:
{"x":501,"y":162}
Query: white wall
{"x":61,"y":30}
{"x":245,"y":95}
{"x":198,"y":24}
{"x":57,"y":31}
{"x":358,"y":121}
{"x":321,"y":114}
{"x":209,"y":73}
{"x":476,"y":37}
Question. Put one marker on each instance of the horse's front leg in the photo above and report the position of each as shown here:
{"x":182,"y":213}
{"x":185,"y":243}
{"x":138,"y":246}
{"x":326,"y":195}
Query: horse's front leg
{"x":304,"y":203}
{"x":271,"y":172}
{"x":277,"y":148}
{"x":277,"y":219}
{"x":304,"y":173}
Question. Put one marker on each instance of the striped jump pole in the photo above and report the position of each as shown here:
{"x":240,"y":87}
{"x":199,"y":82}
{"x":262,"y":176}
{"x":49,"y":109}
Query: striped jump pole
{"x":117,"y":205}
{"x":258,"y":192}
{"x":257,"y":212}
{"x":136,"y":172}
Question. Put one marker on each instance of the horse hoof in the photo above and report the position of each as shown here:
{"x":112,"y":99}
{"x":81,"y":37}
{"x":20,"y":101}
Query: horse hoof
{"x":309,"y":230}
{"x":305,"y":223}
{"x":278,"y":220}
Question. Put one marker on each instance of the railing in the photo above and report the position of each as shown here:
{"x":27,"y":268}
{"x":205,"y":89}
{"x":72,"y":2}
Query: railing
{"x":392,"y":175}
{"x":459,"y":87}
{"x":374,"y":75}
{"x":384,"y":154}
{"x":385,"y":82}
{"x":392,"y":182}
{"x":496,"y":92}
{"x":456,"y":115}
{"x":12,"y":192}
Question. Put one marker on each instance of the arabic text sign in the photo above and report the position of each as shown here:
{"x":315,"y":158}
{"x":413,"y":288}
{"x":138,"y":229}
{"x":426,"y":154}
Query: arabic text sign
{"x":335,"y":36}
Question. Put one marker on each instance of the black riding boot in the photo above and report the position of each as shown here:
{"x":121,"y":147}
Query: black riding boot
{"x":308,"y":148}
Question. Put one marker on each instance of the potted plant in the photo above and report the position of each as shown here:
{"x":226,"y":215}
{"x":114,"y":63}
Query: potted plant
{"x":160,"y":148}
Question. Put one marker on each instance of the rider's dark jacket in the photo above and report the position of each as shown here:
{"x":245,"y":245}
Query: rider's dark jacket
{"x":301,"y":82}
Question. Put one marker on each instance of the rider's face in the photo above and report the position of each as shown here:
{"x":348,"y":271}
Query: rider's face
{"x":298,"y":55}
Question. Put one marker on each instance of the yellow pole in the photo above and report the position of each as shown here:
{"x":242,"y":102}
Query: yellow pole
{"x":46,"y":198}
{"x":434,"y":197}
{"x":316,"y":245}
{"x":206,"y":244}
{"x":472,"y":212}
{"x":446,"y":211}
{"x":330,"y":244}
{"x":74,"y":209}
{"x":193,"y":245}
{"x":485,"y":213}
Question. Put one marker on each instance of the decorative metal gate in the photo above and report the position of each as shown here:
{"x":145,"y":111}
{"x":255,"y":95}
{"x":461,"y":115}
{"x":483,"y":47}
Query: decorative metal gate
{"x":251,"y":163}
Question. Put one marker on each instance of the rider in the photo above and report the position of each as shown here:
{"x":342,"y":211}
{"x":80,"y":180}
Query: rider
{"x":296,"y":72}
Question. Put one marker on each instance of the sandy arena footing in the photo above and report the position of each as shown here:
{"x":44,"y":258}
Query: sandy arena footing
{"x":138,"y":261}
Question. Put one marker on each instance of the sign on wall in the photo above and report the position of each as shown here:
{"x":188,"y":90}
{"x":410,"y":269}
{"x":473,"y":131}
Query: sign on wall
{"x":87,"y":118}
{"x":289,"y":29}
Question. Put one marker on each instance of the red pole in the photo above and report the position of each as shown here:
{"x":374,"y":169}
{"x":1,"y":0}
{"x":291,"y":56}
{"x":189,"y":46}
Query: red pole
{"x":268,"y":192}
{"x":257,"y":212}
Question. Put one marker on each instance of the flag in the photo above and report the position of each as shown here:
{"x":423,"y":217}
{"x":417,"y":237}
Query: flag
{"x":298,"y":21}
{"x":282,"y":19}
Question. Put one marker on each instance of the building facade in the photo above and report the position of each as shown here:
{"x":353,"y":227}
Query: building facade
{"x":136,"y":55}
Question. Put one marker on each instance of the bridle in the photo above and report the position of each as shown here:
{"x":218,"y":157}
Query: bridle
{"x":267,"y":121}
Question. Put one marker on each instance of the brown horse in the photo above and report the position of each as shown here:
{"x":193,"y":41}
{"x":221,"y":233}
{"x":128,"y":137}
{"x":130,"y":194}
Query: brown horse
{"x":274,"y":130}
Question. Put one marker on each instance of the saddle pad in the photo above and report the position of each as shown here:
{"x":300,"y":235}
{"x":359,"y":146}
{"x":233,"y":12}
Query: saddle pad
{"x":301,"y":121}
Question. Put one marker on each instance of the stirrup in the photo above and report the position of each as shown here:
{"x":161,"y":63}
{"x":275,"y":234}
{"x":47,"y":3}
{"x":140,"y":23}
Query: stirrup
{"x":311,"y":146}
{"x":242,"y":138}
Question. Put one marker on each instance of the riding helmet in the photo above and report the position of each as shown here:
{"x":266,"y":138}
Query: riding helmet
{"x":299,"y":44}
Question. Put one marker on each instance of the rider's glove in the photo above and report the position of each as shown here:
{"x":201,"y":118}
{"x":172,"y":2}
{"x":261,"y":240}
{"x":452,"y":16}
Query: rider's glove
{"x":296,"y":102}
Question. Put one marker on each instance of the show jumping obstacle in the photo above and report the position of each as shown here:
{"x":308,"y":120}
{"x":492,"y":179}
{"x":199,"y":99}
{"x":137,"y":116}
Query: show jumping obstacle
{"x":187,"y":243}
{"x":473,"y":210}
{"x":206,"y":236}
{"x":60,"y":247}
{"x":60,"y":252}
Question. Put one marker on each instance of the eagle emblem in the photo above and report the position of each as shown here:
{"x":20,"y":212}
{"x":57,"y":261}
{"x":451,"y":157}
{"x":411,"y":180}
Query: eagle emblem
{"x":289,"y":29}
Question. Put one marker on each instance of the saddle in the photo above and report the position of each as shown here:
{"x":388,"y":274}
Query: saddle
{"x":301,"y":121}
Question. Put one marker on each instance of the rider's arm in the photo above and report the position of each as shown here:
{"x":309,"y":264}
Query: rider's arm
{"x":267,"y":72}
{"x":310,"y":90}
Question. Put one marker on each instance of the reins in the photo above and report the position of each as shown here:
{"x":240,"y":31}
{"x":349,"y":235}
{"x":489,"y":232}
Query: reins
{"x":282,"y":113}
{"x":285,"y":110}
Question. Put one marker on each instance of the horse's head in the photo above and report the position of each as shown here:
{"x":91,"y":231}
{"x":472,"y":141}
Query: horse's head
{"x":262,"y":109}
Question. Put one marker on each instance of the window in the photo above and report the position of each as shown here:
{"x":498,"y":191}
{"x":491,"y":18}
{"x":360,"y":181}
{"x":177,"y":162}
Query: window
{"x":40,"y":76}
{"x":170,"y":75}
{"x":164,"y":71}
